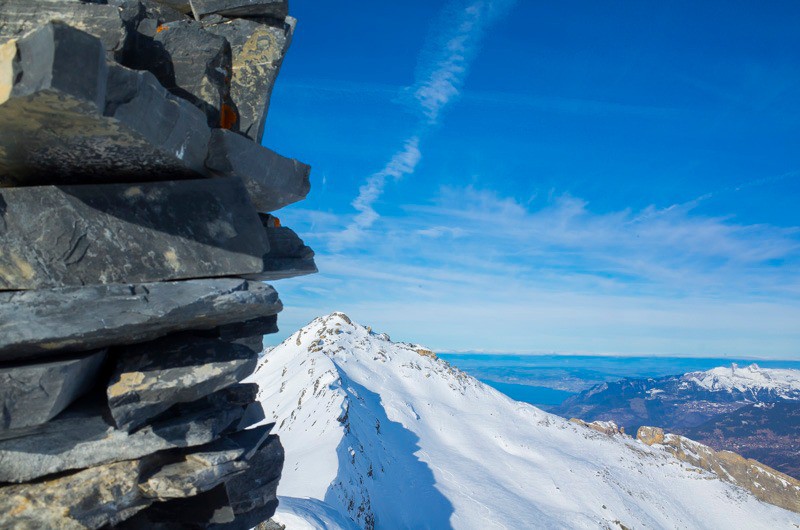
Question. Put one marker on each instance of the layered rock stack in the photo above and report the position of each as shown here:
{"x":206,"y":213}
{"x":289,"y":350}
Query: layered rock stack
{"x":135,"y":233}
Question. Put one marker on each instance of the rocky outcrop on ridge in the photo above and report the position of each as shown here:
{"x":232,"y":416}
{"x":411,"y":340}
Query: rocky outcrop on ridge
{"x":136,"y":219}
{"x":762,"y":481}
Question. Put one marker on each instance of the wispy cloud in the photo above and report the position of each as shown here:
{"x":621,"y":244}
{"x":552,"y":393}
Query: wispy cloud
{"x":402,"y":163}
{"x":443,"y":68}
{"x":473,"y":269}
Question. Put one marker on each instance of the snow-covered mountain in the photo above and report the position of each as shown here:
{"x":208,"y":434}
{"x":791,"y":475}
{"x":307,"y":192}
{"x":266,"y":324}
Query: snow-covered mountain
{"x":385,"y":435}
{"x":749,"y":383}
{"x":751,"y":410}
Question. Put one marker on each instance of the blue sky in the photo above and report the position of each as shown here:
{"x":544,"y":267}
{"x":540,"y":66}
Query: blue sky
{"x":562,"y":177}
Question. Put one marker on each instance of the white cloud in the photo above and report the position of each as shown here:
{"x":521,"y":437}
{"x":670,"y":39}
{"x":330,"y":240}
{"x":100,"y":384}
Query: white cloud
{"x":476,"y":270}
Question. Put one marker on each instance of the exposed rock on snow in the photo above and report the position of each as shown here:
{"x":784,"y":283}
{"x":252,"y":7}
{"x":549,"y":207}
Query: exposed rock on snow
{"x":762,"y":481}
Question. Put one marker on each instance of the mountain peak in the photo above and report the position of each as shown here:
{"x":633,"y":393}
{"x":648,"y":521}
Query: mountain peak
{"x":387,"y":435}
{"x":751,"y":378}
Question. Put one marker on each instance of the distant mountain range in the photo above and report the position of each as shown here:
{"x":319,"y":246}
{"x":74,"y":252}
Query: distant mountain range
{"x":750,"y":410}
{"x":381,"y":434}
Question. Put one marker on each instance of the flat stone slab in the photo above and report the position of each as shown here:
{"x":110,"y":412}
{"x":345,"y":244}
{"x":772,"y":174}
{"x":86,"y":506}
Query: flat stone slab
{"x":273,"y":181}
{"x":150,"y":378}
{"x":40,"y":323}
{"x":258,"y":48}
{"x":240,"y":8}
{"x":200,"y":471}
{"x":87,"y":122}
{"x":253,"y":493}
{"x":121,"y":233}
{"x":193,"y":64}
{"x":178,"y":5}
{"x":210,"y":507}
{"x":288,"y":256}
{"x":81,"y":437}
{"x":102,"y":21}
{"x":249,"y":333}
{"x":35,"y":393}
{"x":91,"y":498}
{"x":206,"y":467}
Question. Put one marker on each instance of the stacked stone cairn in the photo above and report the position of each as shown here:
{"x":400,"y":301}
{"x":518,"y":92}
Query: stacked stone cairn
{"x":135,"y":236}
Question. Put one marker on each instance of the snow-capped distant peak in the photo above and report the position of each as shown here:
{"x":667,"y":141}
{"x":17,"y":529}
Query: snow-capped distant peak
{"x":380,"y":434}
{"x":783,"y":383}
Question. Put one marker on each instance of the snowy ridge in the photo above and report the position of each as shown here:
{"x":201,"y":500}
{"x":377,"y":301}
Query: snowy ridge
{"x":385,"y":435}
{"x":779,"y":383}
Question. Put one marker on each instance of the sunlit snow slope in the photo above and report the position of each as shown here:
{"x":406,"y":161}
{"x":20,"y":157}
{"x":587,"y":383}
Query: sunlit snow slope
{"x":382,"y":434}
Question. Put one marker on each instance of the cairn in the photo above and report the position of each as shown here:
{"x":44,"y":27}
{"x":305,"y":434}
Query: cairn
{"x":136,"y":234}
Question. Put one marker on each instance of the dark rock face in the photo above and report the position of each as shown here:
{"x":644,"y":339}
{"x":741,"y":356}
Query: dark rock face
{"x":191,"y":63}
{"x":240,"y":8}
{"x":91,"y":498}
{"x":168,"y":123}
{"x":87,"y":122}
{"x":288,"y":255}
{"x":40,"y":323}
{"x":130,"y":190}
{"x":258,"y":48}
{"x":149,"y":378}
{"x":128,"y":233}
{"x":35,"y":393}
{"x":82,"y":437}
{"x":102,"y":21}
{"x":256,"y":487}
{"x":272,"y":180}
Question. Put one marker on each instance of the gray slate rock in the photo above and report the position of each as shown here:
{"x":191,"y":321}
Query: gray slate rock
{"x":32,"y":394}
{"x":248,"y":333}
{"x":273,"y":181}
{"x":115,"y":233}
{"x":240,"y":8}
{"x":255,"y":517}
{"x":82,"y":437}
{"x":191,"y":63}
{"x":198,"y":472}
{"x":149,"y":378}
{"x":178,"y":5}
{"x":251,"y":333}
{"x":39,"y":323}
{"x":288,"y":256}
{"x":163,"y":11}
{"x":256,"y":487}
{"x":169,"y":124}
{"x":91,"y":498}
{"x":257,"y":327}
{"x":258,"y":48}
{"x":86,"y":122}
{"x":253,"y":493}
{"x":210,"y":507}
{"x":204,"y":468}
{"x":102,"y":21}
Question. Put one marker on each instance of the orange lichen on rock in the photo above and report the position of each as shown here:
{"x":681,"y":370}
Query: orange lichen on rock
{"x":227,"y":116}
{"x":161,"y":28}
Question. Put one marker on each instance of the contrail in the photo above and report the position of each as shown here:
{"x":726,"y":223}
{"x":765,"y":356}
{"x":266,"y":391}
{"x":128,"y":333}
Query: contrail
{"x":443,"y":74}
